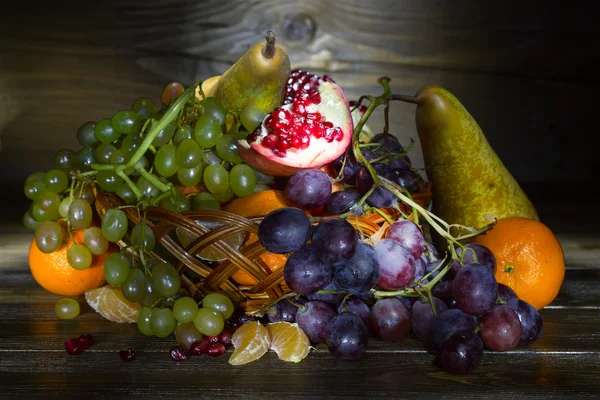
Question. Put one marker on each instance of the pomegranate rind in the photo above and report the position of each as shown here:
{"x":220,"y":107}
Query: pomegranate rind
{"x":335,"y":108}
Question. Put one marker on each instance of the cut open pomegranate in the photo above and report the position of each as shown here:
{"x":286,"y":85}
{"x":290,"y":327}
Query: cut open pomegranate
{"x":311,"y":130}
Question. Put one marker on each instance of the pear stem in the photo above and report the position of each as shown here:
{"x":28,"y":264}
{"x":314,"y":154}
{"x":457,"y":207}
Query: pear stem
{"x":405,"y":98}
{"x":269,"y":49}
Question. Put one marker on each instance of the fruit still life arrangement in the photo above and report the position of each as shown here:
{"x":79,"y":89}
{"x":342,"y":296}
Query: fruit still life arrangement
{"x":257,"y":211}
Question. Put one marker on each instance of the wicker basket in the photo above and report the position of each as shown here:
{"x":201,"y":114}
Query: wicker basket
{"x":202,"y":277}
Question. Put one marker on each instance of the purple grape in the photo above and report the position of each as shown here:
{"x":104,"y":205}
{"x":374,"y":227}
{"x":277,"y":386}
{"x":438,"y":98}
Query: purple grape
{"x":423,"y":317}
{"x":352,"y":166}
{"x":531,"y":321}
{"x":419,"y":271}
{"x":396,"y":265}
{"x":397,"y":163}
{"x":391,"y":320}
{"x":380,"y":197}
{"x":500,"y":328}
{"x":475,"y":289}
{"x":460,"y":353}
{"x":483,"y":255}
{"x":284,"y":230}
{"x":407,"y":301}
{"x":308,"y":189}
{"x":357,"y":306}
{"x":431,"y":267}
{"x":446,"y":323}
{"x":283,"y":310}
{"x":306,"y":272}
{"x":313,"y":318}
{"x":444,"y":290}
{"x":408,"y":179}
{"x":505,"y":293}
{"x":430,"y":254}
{"x":336,"y":239}
{"x":408,"y":234}
{"x":341,"y":202}
{"x":347,"y":336}
{"x":331,"y":298}
{"x":389,"y":144}
{"x":359,"y":274}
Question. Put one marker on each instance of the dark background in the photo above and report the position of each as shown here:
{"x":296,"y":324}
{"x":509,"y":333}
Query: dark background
{"x":527,"y":71}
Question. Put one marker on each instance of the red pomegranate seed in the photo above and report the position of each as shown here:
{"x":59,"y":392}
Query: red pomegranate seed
{"x":215,"y":350}
{"x":283,"y":144}
{"x":299,"y":107}
{"x":178,"y":354}
{"x":199,"y":347}
{"x":128,"y":354}
{"x":252,"y":137}
{"x":296,"y":142}
{"x":73,"y":346}
{"x":86,"y":340}
{"x":315,"y":97}
{"x":225,"y":337}
{"x":270,"y":141}
{"x":213,"y":339}
{"x":327,"y":124}
{"x":338,"y":134}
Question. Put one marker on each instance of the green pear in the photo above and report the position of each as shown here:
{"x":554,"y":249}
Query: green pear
{"x":470,"y":184}
{"x":257,"y":78}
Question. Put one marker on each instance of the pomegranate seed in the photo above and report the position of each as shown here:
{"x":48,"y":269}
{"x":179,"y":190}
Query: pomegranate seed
{"x":362,"y":110}
{"x":269,"y":120}
{"x":215,"y":350}
{"x":225,"y":337}
{"x":252,"y":137}
{"x":352,"y":103}
{"x":315,"y":97}
{"x":338,"y":134}
{"x":270,"y":141}
{"x":299,"y":107}
{"x":213,"y":339}
{"x":178,"y":354}
{"x":235,"y":325}
{"x":283,"y":144}
{"x":296,"y":142}
{"x":283,"y":133}
{"x":199,"y":346}
{"x":73,"y":346}
{"x":327,"y":78}
{"x":327,"y":124}
{"x":128,"y":354}
{"x":278,"y":153}
{"x":86,"y":340}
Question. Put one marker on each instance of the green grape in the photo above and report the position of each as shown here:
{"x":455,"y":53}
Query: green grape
{"x":49,"y":202}
{"x":114,"y":225}
{"x":189,"y":154}
{"x":42,"y":215}
{"x":209,"y":321}
{"x":177,"y":203}
{"x":119,"y":156}
{"x":103,"y":153}
{"x":219,"y":302}
{"x":80,"y":214}
{"x":240,"y":135}
{"x":185,"y":309}
{"x":165,"y":135}
{"x":86,"y":135}
{"x":146,"y":188}
{"x":260,"y":188}
{"x":190,"y":176}
{"x":86,"y":158}
{"x":251,"y":117}
{"x":87,"y":194}
{"x":29,"y":221}
{"x":213,"y":107}
{"x":142,"y":162}
{"x":108,"y":180}
{"x":216,"y":179}
{"x":63,"y":208}
{"x":124,"y":191}
{"x":131,"y":143}
{"x":126,"y":121}
{"x":227,"y":149}
{"x":135,"y":285}
{"x":210,"y":157}
{"x":263,"y":178}
{"x":65,"y":159}
{"x":143,"y":321}
{"x":165,"y":160}
{"x":95,"y":241}
{"x":224,"y":197}
{"x":151,"y":295}
{"x":67,"y":308}
{"x":186,"y":334}
{"x":34,"y":189}
{"x":104,"y":131}
{"x":48,"y":236}
{"x":182,"y":133}
{"x":142,"y":235}
{"x":165,"y":279}
{"x":79,"y":257}
{"x":205,"y":201}
{"x":144,"y":107}
{"x":207,"y":131}
{"x":242,"y":180}
{"x":56,"y":181}
{"x":36,"y":176}
{"x":162,"y":322}
{"x":116,"y":269}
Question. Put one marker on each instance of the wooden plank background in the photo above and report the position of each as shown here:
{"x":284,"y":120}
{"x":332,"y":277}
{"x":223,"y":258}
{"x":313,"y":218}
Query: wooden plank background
{"x":524,"y":69}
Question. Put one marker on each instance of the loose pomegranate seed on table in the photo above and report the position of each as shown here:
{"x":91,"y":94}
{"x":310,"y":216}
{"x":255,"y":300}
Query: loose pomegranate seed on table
{"x":215,"y":350}
{"x":86,"y":340}
{"x":177,"y":353}
{"x":73,"y":346}
{"x":127,"y":355}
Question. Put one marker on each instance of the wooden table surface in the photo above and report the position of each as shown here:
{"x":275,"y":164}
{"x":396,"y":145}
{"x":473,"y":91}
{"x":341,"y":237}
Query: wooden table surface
{"x":565,"y":362}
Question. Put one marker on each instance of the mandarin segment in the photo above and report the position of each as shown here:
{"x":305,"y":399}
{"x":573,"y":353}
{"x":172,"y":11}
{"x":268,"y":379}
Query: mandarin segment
{"x":289,"y":341}
{"x":109,"y":302}
{"x":251,"y":342}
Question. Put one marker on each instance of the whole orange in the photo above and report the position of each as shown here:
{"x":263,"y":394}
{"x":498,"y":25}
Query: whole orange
{"x":529,"y":258}
{"x":53,"y":272}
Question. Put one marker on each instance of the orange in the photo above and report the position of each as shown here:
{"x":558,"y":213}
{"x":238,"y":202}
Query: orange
{"x":53,"y":272}
{"x":109,"y":302}
{"x":251,"y":341}
{"x":289,"y":341}
{"x":529,"y":258}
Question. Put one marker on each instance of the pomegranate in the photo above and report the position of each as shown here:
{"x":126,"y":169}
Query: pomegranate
{"x":311,"y":130}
